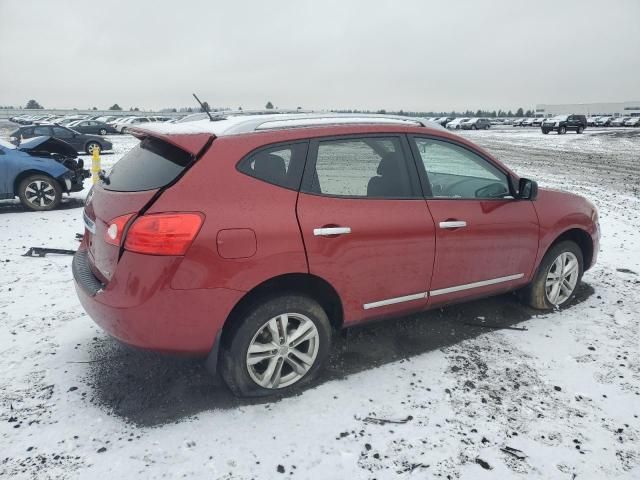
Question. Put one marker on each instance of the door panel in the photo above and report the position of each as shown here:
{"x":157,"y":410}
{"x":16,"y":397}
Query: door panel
{"x":381,"y":257}
{"x":499,"y":242}
{"x":486,"y":241}
{"x":387,"y":254}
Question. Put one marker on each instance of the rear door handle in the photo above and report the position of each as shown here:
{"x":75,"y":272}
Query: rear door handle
{"x":453,"y":224}
{"x":328,"y":231}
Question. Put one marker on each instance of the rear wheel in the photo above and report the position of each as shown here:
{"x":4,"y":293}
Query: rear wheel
{"x":473,"y":127}
{"x":580,"y":130}
{"x":92,"y":146}
{"x":39,"y":192}
{"x":280,"y":345}
{"x":562,"y":130}
{"x":545,"y":131}
{"x":103,"y":131}
{"x":557,"y":277}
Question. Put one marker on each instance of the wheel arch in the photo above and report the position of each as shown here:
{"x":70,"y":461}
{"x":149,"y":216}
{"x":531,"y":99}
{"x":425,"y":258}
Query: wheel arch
{"x":26,"y":173}
{"x":580,"y":237}
{"x":302,"y":283}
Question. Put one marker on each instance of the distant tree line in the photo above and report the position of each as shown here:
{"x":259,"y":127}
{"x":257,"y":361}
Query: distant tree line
{"x":467,"y":113}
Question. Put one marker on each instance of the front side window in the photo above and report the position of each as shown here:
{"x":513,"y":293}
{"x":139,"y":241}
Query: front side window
{"x":361,"y":167}
{"x":280,"y":165}
{"x":455,"y":172}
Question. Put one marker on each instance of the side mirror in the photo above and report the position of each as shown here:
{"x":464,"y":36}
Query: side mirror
{"x":527,"y":189}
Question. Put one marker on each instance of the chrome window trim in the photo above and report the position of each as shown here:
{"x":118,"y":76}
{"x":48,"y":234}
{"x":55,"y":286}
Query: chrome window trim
{"x":441,"y":291}
{"x":482,"y":283}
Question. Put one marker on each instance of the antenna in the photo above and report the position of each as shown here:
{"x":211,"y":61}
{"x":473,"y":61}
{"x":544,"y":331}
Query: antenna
{"x":206,"y":109}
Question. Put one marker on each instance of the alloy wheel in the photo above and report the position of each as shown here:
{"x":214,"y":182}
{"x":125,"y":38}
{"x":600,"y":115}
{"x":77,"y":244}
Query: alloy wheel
{"x":562,"y":278}
{"x":93,"y":146}
{"x":283,"y":350}
{"x":40,"y":193}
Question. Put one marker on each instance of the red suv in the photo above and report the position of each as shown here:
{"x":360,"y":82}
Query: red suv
{"x":249,"y":239}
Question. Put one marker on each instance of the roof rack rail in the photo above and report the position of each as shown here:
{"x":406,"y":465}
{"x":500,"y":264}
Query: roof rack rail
{"x":333,"y":119}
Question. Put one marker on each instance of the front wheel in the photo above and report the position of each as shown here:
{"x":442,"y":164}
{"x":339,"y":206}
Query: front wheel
{"x":39,"y":192}
{"x":103,"y":131}
{"x":278,"y":346}
{"x":545,"y":131}
{"x":93,"y":146}
{"x":562,"y":130}
{"x":557,"y":277}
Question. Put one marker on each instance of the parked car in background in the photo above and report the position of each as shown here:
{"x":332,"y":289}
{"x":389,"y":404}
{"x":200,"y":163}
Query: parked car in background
{"x":92,"y":126}
{"x":80,"y":141}
{"x":444,"y":120}
{"x":564,"y":123}
{"x":476,"y":124}
{"x":39,"y":171}
{"x":455,"y":123}
{"x":632,"y":122}
{"x":527,"y":122}
{"x":517,"y":122}
{"x":122,"y":127}
{"x":537,"y":121}
{"x":619,"y":121}
{"x":194,"y":260}
{"x":604,"y":121}
{"x":591,"y":121}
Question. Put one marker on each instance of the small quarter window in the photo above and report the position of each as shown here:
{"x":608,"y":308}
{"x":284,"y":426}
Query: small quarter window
{"x":280,"y":165}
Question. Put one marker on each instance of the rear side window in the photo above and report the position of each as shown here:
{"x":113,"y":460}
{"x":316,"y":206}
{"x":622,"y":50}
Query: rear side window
{"x":151,"y":165}
{"x":280,"y":165}
{"x":373,"y":167}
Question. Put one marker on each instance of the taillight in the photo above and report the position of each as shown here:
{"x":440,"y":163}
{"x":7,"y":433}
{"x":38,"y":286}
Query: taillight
{"x":115,"y":230}
{"x":163,"y":233}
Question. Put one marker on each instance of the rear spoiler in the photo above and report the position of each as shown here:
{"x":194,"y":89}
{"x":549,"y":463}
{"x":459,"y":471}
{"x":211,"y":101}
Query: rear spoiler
{"x":192,"y":143}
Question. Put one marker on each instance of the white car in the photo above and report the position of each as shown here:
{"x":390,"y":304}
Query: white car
{"x":131,"y":121}
{"x":619,"y":122}
{"x":604,"y":121}
{"x":455,"y":123}
{"x":632,"y":122}
{"x":591,"y":121}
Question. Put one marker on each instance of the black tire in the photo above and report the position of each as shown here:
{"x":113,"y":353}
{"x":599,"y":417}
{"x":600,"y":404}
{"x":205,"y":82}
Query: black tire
{"x":90,"y":146}
{"x":580,"y":130}
{"x":545,"y":131}
{"x":562,"y":130}
{"x":45,"y":195}
{"x":103,"y":131}
{"x":473,"y":127}
{"x":234,"y":349}
{"x":534,"y":294}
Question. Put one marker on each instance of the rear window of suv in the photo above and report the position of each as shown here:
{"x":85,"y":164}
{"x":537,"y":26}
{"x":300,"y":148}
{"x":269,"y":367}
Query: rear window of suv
{"x":151,"y":165}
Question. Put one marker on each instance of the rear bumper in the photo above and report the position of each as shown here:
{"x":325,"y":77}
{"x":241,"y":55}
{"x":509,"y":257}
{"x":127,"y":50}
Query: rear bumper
{"x":138,"y":306}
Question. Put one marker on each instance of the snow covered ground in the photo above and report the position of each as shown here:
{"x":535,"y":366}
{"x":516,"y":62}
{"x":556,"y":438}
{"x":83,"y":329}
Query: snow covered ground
{"x":434,"y":395}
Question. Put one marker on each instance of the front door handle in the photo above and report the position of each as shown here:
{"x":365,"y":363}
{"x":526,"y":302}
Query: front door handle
{"x":329,"y":231}
{"x":453,"y":224}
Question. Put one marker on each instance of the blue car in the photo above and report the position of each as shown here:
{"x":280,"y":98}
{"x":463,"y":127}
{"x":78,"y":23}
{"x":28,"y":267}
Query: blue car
{"x":39,"y":171}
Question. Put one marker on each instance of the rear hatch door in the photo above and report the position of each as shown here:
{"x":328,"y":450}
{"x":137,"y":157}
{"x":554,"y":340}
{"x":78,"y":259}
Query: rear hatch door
{"x":130,"y":188}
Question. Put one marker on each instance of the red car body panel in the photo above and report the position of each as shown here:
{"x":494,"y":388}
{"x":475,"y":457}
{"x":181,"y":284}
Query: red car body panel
{"x":389,"y":253}
{"x":255,"y":231}
{"x":500,"y":240}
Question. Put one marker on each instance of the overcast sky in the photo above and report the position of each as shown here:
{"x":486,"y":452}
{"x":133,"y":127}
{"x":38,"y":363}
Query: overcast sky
{"x":411,"y":55}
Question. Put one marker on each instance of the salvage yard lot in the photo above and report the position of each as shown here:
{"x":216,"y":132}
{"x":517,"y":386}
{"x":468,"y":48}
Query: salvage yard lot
{"x":487,"y":389}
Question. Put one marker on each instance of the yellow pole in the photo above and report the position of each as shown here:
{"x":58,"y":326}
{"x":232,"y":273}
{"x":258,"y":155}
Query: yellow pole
{"x":95,"y":164}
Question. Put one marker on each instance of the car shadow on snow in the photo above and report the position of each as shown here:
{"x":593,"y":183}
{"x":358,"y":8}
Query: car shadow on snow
{"x":14,"y":206}
{"x":150,"y":389}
